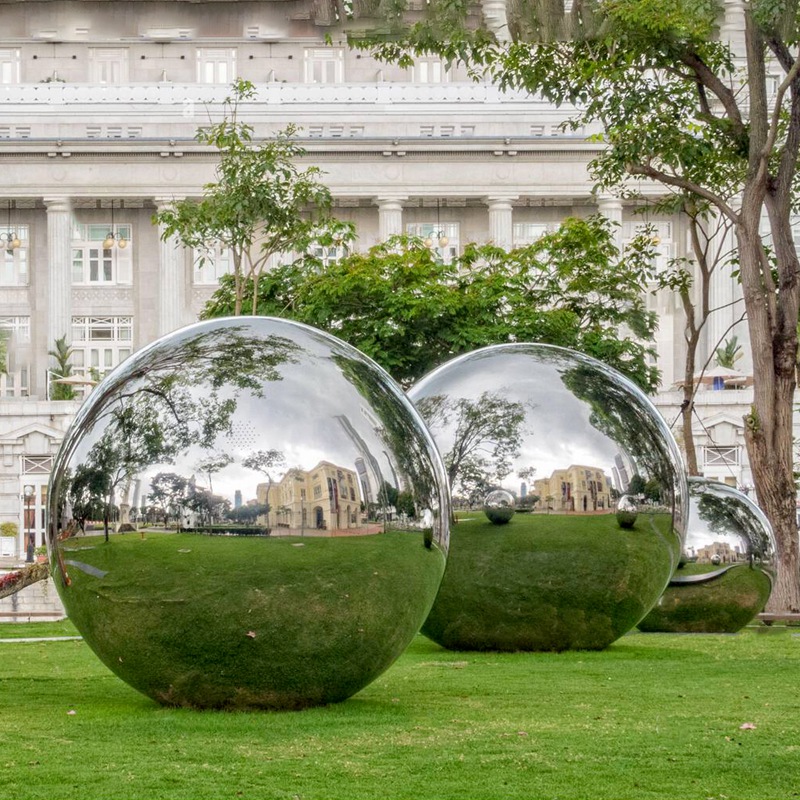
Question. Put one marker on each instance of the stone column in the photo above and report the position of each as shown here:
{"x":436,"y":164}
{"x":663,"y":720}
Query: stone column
{"x":59,"y":269}
{"x":494,"y":12}
{"x":390,"y":217}
{"x":501,"y":228}
{"x":611,"y":209}
{"x":731,"y":29}
{"x":173,"y":311}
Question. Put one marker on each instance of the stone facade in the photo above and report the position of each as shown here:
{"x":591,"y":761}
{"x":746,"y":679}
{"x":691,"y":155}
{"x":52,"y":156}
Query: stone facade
{"x":100,"y":104}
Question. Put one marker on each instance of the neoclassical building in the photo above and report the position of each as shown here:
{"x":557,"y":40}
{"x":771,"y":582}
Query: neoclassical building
{"x":100,"y":103}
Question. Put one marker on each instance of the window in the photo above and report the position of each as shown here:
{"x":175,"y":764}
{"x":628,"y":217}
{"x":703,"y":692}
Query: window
{"x":14,"y":263}
{"x":100,"y":343}
{"x":9,"y":66}
{"x":17,"y":331}
{"x":429,"y":70}
{"x":662,"y":238}
{"x":91,"y":264}
{"x":108,"y":65}
{"x":443,"y":237}
{"x":324,"y":65}
{"x":329,"y":254}
{"x":525,"y":233}
{"x":210,"y":264}
{"x":216,"y":65}
{"x":725,"y":456}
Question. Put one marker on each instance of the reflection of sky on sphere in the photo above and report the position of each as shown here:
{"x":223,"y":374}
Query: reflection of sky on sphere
{"x":743,"y":527}
{"x":313,"y":413}
{"x":557,"y":431}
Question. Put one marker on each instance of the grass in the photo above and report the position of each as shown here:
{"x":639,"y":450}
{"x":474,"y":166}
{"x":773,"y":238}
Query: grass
{"x":249,"y":622}
{"x":722,"y":605}
{"x":653,"y":716}
{"x":550,"y":581}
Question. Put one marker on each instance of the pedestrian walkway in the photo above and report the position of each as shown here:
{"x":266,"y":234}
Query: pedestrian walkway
{"x":33,"y":639}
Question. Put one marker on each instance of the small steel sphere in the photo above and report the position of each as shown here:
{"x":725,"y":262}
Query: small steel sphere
{"x":725,"y":575}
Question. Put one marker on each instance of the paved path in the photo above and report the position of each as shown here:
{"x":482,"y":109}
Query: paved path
{"x":28,"y":640}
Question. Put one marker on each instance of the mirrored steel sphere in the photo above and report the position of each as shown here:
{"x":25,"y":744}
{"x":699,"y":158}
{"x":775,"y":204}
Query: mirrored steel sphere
{"x":248,"y":513}
{"x":627,"y":511}
{"x":725,"y":575}
{"x":498,"y":506}
{"x":580,"y":435}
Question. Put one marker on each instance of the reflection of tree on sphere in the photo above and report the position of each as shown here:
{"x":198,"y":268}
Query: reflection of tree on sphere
{"x":566,"y":576}
{"x":222,"y":600}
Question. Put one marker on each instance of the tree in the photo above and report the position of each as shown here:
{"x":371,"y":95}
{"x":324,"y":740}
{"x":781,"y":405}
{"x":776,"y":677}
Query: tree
{"x":679,"y":108}
{"x":262,"y":204}
{"x":403,"y":306}
{"x":690,"y":278}
{"x":264,"y":461}
{"x":484,"y":437}
{"x":62,"y":353}
{"x":168,"y":491}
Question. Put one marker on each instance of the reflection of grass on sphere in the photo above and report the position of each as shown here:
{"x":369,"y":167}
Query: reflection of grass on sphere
{"x":239,"y":622}
{"x":721,"y":605}
{"x":550,"y":582}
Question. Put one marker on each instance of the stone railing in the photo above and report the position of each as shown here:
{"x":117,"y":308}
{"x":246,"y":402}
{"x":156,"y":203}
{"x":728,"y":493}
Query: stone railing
{"x":270,"y":93}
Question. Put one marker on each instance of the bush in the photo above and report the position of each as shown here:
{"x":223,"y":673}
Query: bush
{"x":9,"y":529}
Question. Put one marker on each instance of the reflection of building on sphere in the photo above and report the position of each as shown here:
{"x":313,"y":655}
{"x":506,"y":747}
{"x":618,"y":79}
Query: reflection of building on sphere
{"x":324,"y":498}
{"x":576,"y":488}
{"x":498,"y":506}
{"x":196,"y":423}
{"x":716,"y":559}
{"x":565,"y":575}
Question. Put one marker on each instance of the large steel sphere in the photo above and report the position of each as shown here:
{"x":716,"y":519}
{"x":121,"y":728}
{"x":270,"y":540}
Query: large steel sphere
{"x":725,"y":576}
{"x":248,"y":513}
{"x":580,"y":435}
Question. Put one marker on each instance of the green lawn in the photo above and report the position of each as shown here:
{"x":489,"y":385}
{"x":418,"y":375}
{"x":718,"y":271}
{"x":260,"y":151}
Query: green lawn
{"x":653,"y":716}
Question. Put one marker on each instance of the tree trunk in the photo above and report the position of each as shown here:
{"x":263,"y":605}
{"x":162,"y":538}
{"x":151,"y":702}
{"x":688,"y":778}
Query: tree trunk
{"x":16,"y":581}
{"x":768,"y":427}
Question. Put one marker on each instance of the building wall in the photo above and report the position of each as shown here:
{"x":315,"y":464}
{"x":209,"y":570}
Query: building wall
{"x":100,"y":103}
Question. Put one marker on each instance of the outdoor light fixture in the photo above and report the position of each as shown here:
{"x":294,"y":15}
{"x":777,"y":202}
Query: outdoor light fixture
{"x":9,"y":238}
{"x":438,"y":234}
{"x":112,"y":237}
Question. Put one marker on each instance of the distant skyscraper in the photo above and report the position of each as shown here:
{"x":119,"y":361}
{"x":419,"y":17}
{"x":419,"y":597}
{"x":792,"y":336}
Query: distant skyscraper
{"x":523,"y":489}
{"x":237,"y":498}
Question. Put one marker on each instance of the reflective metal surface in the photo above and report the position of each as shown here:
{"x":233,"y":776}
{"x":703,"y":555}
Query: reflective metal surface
{"x":627,"y":511}
{"x":248,"y":513}
{"x":725,"y":574}
{"x":577,"y":435}
{"x":499,"y":506}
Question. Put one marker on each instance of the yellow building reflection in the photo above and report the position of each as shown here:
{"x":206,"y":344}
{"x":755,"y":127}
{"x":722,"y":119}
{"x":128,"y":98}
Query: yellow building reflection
{"x":577,"y":488}
{"x":323,"y":499}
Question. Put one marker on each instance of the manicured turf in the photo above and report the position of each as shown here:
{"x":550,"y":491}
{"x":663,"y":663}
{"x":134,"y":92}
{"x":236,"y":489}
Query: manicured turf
{"x":236,"y":622}
{"x":550,"y":581}
{"x":654,"y":716}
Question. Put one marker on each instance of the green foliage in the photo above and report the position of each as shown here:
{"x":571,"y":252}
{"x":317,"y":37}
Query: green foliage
{"x":8,"y":529}
{"x":637,"y":485}
{"x":403,"y":306}
{"x":62,"y":353}
{"x":261,"y":204}
{"x":729,"y":353}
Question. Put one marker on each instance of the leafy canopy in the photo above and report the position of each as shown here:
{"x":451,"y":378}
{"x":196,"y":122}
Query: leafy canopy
{"x":410,"y":311}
